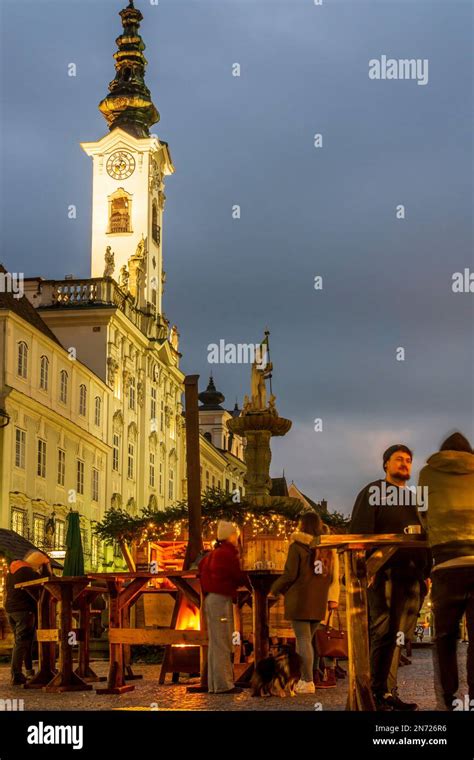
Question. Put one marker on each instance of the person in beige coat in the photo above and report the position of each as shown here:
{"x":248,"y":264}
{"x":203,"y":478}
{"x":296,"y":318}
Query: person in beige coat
{"x":307,"y":582}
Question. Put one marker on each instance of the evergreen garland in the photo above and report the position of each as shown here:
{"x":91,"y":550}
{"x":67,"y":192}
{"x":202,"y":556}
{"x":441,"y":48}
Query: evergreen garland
{"x":152,"y":524}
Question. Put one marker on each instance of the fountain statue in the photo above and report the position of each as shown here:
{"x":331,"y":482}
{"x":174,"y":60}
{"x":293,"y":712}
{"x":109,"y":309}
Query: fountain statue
{"x":258,"y":422}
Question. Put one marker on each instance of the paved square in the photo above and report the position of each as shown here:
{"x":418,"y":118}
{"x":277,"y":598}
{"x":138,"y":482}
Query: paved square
{"x":415,"y":684}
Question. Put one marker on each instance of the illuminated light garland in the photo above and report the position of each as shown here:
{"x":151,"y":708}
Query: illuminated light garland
{"x":278,"y":520}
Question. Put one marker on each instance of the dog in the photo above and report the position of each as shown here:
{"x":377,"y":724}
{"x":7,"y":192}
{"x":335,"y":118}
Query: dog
{"x":277,"y":675}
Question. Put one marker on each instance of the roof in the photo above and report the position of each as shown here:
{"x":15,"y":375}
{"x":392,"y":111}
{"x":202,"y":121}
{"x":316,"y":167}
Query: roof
{"x":26,"y":311}
{"x":13,"y":546}
{"x":313,"y":503}
{"x":279,"y":487}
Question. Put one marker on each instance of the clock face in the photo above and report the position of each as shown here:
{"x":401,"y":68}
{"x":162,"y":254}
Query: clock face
{"x":120,"y":164}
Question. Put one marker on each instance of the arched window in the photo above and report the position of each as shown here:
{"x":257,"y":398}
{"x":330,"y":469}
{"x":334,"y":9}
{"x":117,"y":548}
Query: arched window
{"x":97,"y":410}
{"x":82,"y":400}
{"x":155,"y":227}
{"x":120,"y":212}
{"x":22,"y":366}
{"x":63,"y":386}
{"x":44,"y":373}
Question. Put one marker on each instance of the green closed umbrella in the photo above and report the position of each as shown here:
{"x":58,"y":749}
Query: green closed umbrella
{"x":74,"y":559}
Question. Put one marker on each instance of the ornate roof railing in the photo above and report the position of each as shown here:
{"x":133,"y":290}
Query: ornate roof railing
{"x":98,"y":291}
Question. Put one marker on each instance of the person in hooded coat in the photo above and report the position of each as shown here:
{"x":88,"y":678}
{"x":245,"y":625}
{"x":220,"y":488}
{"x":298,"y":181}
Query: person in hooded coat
{"x":306,"y":583}
{"x":449,"y":521}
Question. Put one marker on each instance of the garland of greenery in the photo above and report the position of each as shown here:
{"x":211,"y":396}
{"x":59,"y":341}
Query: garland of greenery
{"x":216,"y":504}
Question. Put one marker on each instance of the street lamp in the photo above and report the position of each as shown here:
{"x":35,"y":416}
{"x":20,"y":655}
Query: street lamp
{"x":4,"y":418}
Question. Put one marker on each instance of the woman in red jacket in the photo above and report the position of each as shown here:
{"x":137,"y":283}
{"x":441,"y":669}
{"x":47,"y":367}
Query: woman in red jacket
{"x":221,"y":576}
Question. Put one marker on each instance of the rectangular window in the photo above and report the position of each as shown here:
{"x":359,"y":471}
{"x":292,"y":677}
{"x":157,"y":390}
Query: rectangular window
{"x":171,"y":486}
{"x":38,"y":530}
{"x":116,"y":452}
{"x":227,"y":485}
{"x":153,"y":404}
{"x":61,"y":467}
{"x":41,"y":463}
{"x":131,"y":461}
{"x":19,"y":521}
{"x":152,"y":470}
{"x":161,"y":478}
{"x":162,"y":415}
{"x":80,"y":477}
{"x":20,"y":448}
{"x":59,"y":535}
{"x":95,"y":484}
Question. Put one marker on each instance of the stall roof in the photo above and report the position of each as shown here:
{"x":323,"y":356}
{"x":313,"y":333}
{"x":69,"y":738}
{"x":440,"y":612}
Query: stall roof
{"x":13,"y":546}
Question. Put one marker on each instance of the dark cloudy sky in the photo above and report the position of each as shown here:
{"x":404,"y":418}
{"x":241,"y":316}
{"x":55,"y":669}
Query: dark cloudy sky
{"x":305,"y":211}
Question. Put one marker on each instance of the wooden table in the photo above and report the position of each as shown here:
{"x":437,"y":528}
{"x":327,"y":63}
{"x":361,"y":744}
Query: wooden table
{"x":359,"y":574}
{"x":83,"y":604}
{"x":66,"y":591}
{"x":261,"y":582}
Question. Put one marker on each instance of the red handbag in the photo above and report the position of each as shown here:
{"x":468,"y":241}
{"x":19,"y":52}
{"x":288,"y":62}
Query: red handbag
{"x":332,"y":642}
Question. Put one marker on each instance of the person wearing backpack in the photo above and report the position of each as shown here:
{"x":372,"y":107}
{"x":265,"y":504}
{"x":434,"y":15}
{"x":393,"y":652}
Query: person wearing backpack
{"x":306,"y":583}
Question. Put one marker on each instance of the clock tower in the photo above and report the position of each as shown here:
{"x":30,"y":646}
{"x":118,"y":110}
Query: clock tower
{"x":129,"y":167}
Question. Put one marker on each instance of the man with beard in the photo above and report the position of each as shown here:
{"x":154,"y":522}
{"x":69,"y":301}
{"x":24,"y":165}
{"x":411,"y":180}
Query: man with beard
{"x":394,"y":597}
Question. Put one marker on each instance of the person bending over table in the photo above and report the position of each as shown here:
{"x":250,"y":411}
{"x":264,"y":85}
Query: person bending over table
{"x":20,"y":607}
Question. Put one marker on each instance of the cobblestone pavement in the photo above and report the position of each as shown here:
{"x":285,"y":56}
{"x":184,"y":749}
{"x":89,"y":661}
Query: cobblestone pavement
{"x":415,"y":684}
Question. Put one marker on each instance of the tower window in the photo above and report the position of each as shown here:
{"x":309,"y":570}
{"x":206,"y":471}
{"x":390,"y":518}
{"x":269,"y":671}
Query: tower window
{"x":155,"y":227}
{"x":120,"y":210}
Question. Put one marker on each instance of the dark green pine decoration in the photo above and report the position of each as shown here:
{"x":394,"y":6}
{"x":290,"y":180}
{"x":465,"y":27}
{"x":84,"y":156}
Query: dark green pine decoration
{"x":129,"y":105}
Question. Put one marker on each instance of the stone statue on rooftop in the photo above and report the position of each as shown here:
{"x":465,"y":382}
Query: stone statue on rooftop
{"x":124,"y":277}
{"x":109,"y":262}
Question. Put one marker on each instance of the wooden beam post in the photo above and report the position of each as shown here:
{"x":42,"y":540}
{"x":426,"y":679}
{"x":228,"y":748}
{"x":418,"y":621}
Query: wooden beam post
{"x":193,"y":469}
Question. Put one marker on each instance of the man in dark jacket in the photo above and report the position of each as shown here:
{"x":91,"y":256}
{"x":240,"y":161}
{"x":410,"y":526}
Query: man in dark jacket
{"x":21,"y":608}
{"x":395,"y":596}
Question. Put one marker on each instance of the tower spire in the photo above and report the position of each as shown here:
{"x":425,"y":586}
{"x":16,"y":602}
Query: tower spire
{"x":129,"y":103}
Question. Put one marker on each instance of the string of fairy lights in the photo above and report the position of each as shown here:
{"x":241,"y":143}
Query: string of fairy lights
{"x":252,"y":525}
